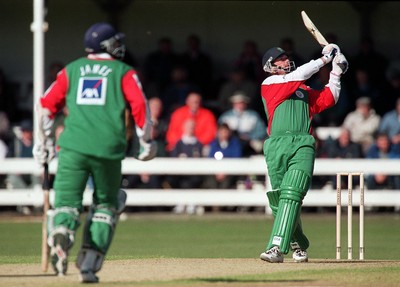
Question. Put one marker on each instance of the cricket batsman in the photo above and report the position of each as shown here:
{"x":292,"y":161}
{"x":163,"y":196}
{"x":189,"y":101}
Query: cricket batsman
{"x":95,"y":90}
{"x":289,"y":150}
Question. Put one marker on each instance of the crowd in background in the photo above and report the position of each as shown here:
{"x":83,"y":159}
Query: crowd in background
{"x":197,"y":113}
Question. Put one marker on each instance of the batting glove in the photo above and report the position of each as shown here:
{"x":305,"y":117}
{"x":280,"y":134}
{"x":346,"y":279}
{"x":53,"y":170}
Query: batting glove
{"x":44,"y":152}
{"x":147,"y":150}
{"x":329,"y":51}
{"x":339,"y":64}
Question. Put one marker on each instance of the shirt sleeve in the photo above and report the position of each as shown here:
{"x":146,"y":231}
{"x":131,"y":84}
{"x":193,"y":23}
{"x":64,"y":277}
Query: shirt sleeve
{"x":54,"y":97}
{"x":132,"y":90}
{"x":320,"y":100}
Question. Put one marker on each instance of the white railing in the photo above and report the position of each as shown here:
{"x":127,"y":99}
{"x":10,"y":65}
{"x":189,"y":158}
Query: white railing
{"x":211,"y":197}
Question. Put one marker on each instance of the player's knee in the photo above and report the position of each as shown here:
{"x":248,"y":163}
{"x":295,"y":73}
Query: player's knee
{"x":295,"y":185}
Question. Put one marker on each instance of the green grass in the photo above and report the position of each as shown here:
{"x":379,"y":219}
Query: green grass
{"x":235,"y":236}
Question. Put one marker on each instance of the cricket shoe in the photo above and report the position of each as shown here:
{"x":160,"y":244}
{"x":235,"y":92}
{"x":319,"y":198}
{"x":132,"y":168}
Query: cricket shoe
{"x":59,"y":254}
{"x":88,"y":277}
{"x":300,"y":256}
{"x":273,"y":255}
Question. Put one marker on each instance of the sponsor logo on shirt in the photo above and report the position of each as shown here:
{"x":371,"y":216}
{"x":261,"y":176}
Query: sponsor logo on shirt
{"x":299,"y":94}
{"x":91,"y":91}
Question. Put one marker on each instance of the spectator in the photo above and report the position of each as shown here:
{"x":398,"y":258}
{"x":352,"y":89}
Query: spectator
{"x":21,"y":147}
{"x":246,"y":123}
{"x":160,"y":124}
{"x":249,"y":61}
{"x":158,"y":66}
{"x":206,"y":123}
{"x":238,"y":82}
{"x":390,"y":124}
{"x":188,"y":146}
{"x":199,"y":65}
{"x":363,"y":122}
{"x":158,"y":131}
{"x":225,"y":145}
{"x":176,"y":92}
{"x":362,"y":86}
{"x":343,"y":147}
{"x":382,"y":148}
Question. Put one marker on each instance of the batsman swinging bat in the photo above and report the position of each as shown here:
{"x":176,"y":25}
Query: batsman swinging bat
{"x":46,"y":206}
{"x":313,"y":30}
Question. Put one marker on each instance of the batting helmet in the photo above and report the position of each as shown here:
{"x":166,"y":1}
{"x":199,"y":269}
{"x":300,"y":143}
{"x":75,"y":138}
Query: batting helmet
{"x":270,"y":56}
{"x":102,"y":37}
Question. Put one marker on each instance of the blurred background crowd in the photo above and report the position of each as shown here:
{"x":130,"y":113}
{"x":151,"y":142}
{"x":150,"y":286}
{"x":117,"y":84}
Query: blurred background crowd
{"x":202,"y":109}
{"x":196,"y":115}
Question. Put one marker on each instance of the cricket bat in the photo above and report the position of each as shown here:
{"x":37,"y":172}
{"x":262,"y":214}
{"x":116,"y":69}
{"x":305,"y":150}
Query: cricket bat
{"x":46,"y":206}
{"x":313,"y":29}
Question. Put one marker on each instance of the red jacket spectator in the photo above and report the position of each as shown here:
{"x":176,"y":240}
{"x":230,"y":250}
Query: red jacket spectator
{"x":206,"y":123}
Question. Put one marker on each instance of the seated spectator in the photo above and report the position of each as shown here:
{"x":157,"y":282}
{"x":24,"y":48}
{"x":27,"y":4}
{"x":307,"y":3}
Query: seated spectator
{"x":159,"y":129}
{"x":362,"y":123}
{"x":22,"y":147}
{"x":363,"y":86}
{"x":225,"y":145}
{"x":205,"y":122}
{"x":160,"y":124}
{"x":187,"y":146}
{"x":343,"y":147}
{"x":237,"y":81}
{"x":390,"y":124}
{"x":246,"y":123}
{"x":382,"y":148}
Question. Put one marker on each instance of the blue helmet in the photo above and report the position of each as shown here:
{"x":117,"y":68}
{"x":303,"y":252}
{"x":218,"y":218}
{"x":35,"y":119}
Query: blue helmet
{"x":102,"y":37}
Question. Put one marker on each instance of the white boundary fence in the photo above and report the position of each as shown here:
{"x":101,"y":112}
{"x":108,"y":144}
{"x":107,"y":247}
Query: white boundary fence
{"x":211,"y":197}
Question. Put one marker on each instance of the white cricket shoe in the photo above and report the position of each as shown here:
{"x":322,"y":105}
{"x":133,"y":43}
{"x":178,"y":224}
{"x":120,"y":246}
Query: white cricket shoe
{"x":300,"y":256}
{"x":273,"y":255}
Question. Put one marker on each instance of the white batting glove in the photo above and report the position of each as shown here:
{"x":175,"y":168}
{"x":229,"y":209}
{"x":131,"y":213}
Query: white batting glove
{"x":329,"y":51}
{"x":147,"y":150}
{"x":44,"y":153}
{"x":339,"y":65}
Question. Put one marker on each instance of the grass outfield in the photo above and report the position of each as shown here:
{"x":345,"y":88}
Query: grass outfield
{"x":211,"y":250}
{"x":209,"y":236}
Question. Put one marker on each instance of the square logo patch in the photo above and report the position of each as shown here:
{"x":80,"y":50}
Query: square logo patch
{"x":91,"y":91}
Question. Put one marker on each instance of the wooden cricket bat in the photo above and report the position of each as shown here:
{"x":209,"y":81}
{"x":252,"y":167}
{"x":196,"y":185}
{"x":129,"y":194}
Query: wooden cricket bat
{"x":313,"y":30}
{"x":46,"y":206}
